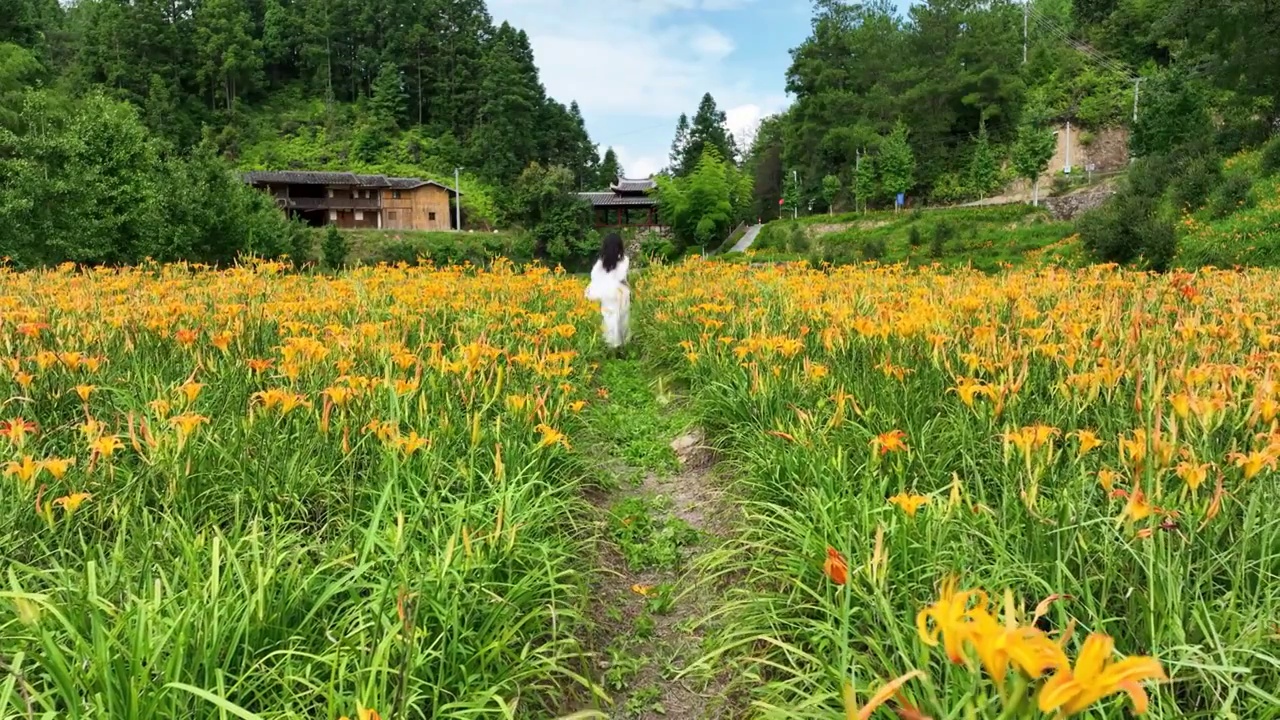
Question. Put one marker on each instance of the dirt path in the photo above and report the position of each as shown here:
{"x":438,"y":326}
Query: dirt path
{"x":648,"y":601}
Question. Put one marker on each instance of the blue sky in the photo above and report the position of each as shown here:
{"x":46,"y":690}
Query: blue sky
{"x":635,"y":65}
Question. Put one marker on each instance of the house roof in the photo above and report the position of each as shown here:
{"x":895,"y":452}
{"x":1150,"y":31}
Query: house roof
{"x":611,"y":199}
{"x":625,"y":185}
{"x":309,"y":177}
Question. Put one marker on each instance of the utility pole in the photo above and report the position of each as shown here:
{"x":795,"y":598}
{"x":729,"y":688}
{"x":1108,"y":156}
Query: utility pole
{"x":1136,"y":81}
{"x":1026,"y":10}
{"x":857,"y":163}
{"x":457,"y":196}
{"x":795,"y":183}
{"x":1067,"y":168}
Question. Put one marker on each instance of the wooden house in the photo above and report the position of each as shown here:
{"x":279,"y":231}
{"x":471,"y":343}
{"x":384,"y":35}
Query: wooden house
{"x":355,"y":201}
{"x":628,"y":203}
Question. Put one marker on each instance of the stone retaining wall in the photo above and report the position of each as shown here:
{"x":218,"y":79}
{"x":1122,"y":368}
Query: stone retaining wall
{"x":1067,"y":207}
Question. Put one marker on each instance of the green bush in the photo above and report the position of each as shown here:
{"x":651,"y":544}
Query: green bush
{"x":799,"y":241}
{"x":942,"y":232}
{"x":1270,"y":160}
{"x":773,"y":236}
{"x":913,"y":237}
{"x":873,"y":250}
{"x":1131,"y":227}
{"x":335,"y":248}
{"x":1197,"y":181}
{"x":1235,"y":193}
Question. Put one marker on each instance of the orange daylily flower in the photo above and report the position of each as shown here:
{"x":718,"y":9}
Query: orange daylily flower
{"x":71,"y":503}
{"x":891,"y":441}
{"x":909,"y":503}
{"x":57,"y":467}
{"x":836,"y":567}
{"x":1096,"y":676}
{"x":1088,"y":441}
{"x":17,"y":430}
{"x":951,"y":618}
{"x":25,"y":470}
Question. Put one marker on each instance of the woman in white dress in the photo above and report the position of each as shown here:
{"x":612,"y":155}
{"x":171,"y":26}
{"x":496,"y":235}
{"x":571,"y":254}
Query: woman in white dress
{"x":609,"y":288}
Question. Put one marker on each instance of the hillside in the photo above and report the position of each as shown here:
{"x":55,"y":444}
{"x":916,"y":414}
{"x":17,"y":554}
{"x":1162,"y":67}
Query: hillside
{"x":984,"y":238}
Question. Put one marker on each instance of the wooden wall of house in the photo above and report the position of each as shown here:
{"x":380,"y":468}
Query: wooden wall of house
{"x":424,"y":208}
{"x":348,"y":220}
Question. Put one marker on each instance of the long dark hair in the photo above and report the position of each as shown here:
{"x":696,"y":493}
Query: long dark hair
{"x":611,"y":251}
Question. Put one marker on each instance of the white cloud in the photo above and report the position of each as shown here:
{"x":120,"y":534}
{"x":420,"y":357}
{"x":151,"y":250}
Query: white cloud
{"x":744,"y":119}
{"x":633,"y":65}
{"x":637,"y":166}
{"x":712,"y":44}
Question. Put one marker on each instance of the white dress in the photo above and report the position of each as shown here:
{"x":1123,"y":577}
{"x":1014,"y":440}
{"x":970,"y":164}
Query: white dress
{"x":610,"y":289}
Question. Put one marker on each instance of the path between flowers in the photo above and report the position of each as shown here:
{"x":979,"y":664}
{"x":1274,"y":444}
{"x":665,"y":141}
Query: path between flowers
{"x":649,"y":601}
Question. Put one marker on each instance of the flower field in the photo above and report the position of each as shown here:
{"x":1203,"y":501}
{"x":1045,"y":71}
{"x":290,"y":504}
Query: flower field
{"x":256,"y":494}
{"x":1039,"y":492}
{"x":252,"y":492}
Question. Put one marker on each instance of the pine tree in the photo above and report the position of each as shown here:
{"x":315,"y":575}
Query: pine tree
{"x":680,"y":145}
{"x":610,"y":169}
{"x":708,"y":129}
{"x":508,"y":136}
{"x":389,"y":102}
{"x":984,"y":168}
{"x":230,"y":57}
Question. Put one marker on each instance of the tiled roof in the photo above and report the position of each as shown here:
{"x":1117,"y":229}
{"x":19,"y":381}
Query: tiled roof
{"x":399,"y":183}
{"x":608,"y":199}
{"x":633,"y":186}
{"x":307,"y":177}
{"x":296,"y":177}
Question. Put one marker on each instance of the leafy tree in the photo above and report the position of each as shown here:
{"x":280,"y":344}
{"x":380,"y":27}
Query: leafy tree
{"x":1032,"y":152}
{"x":701,"y":207}
{"x":1173,"y":114}
{"x":864,"y":181}
{"x":610,"y":169}
{"x":542,"y":200}
{"x":18,"y":69}
{"x":831,"y":187}
{"x":896,"y":163}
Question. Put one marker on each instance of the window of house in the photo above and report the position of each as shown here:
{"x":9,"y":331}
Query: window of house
{"x":333,"y":216}
{"x":330,"y":192}
{"x":391,"y":215}
{"x":359,"y":215}
{"x":395,"y":194}
{"x":431,"y":216}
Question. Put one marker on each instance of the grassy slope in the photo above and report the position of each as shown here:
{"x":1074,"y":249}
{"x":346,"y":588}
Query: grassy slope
{"x":1249,"y":236}
{"x":985,"y":238}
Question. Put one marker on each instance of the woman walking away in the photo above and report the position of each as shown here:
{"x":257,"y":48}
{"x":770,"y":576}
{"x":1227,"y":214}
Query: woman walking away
{"x":609,"y":288}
